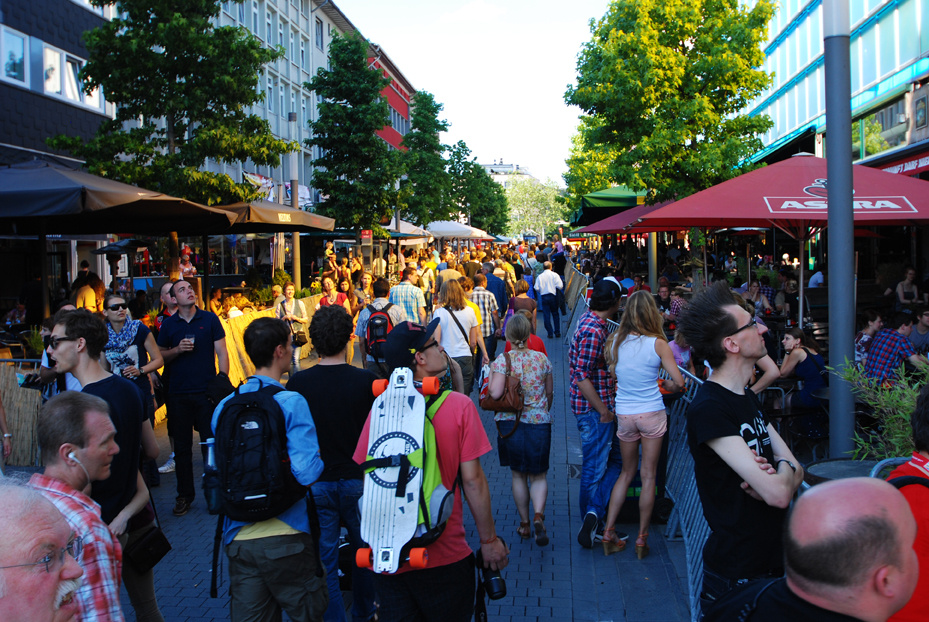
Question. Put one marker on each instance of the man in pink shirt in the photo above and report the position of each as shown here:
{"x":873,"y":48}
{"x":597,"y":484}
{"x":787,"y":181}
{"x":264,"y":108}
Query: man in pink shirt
{"x":447,"y":584}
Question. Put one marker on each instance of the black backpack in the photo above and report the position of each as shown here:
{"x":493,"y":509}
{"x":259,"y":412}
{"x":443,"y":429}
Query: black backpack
{"x":379,"y":324}
{"x":252,"y":480}
{"x":253,"y":467}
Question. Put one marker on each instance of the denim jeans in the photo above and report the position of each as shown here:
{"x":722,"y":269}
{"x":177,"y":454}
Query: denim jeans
{"x":602,"y":462}
{"x":550,"y":312}
{"x":337,"y":502}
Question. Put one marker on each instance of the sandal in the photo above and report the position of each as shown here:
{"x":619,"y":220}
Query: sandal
{"x":538,"y":523}
{"x":641,"y":546}
{"x":611,"y":543}
{"x":524,"y":532}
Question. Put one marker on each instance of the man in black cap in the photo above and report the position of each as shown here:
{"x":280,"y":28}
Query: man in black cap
{"x":592,"y":390}
{"x":447,"y":585}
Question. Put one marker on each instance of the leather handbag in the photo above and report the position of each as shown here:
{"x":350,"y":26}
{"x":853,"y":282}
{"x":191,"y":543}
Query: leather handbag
{"x":300,"y":338}
{"x":512,"y":400}
{"x":149,"y":549}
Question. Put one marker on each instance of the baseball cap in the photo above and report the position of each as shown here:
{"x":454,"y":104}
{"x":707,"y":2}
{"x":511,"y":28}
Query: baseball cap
{"x":405,"y":340}
{"x":606,"y":292}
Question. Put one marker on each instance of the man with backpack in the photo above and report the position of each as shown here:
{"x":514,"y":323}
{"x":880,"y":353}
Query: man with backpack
{"x":273,"y":558}
{"x":374,"y":323}
{"x":445,"y":589}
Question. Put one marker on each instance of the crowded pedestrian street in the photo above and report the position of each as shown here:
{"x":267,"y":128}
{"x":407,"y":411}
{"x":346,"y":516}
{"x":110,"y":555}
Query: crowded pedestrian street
{"x":561,"y":581}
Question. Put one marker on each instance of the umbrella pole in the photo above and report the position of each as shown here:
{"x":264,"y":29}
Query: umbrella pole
{"x":205,"y":246}
{"x":800,"y":310}
{"x":43,"y":271}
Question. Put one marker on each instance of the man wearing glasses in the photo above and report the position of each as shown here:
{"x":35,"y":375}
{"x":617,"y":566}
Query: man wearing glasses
{"x":78,"y":443}
{"x":746,"y":475}
{"x":38,"y":569}
{"x":919,"y":336}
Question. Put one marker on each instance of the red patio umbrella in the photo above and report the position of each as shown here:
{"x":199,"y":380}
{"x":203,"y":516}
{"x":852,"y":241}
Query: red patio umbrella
{"x":617,"y":223}
{"x":792,"y":196}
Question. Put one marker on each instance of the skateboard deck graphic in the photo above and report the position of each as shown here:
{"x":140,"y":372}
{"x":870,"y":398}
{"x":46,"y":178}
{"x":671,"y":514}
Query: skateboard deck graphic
{"x":388,"y":522}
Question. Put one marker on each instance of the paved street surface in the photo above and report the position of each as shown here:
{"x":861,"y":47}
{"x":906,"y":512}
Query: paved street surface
{"x":561,"y":581}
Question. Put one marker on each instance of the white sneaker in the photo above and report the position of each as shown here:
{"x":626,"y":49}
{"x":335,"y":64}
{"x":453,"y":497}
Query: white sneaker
{"x":167,"y":467}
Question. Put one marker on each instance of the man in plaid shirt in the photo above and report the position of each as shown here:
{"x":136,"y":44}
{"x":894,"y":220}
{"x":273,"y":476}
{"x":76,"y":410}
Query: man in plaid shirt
{"x":490,"y":314}
{"x":78,"y":442}
{"x":409,"y":298}
{"x":592,"y":391}
{"x":890,"y":347}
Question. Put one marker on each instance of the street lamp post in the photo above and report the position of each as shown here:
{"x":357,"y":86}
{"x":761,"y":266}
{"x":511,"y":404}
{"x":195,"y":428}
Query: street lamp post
{"x":841,"y":221}
{"x":295,"y":196}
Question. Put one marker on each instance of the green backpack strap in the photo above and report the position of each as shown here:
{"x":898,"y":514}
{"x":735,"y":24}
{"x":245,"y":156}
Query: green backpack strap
{"x":435,"y":402}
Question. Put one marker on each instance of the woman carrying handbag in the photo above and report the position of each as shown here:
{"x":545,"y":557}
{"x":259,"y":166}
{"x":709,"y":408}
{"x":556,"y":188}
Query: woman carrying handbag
{"x":525,"y":434}
{"x":293,"y":312}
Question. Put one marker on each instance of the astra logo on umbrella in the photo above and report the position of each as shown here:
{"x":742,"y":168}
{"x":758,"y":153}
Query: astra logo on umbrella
{"x":816,"y":202}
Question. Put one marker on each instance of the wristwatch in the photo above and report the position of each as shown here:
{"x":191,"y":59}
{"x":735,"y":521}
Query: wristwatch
{"x":789,"y":463}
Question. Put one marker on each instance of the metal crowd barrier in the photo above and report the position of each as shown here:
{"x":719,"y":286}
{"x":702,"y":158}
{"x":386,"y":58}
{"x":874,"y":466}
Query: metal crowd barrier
{"x":687,"y":521}
{"x":576,"y":298}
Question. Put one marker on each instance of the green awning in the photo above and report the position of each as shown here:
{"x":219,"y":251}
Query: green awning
{"x":601,"y":204}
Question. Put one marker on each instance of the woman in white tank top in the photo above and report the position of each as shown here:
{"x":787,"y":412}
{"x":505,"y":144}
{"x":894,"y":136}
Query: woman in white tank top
{"x":634,"y":354}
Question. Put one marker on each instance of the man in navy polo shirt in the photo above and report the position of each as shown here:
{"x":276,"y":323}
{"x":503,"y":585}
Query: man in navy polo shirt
{"x":188,"y":340}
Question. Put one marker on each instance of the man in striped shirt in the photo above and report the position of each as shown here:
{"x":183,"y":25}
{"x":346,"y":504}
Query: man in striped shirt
{"x":78,"y":442}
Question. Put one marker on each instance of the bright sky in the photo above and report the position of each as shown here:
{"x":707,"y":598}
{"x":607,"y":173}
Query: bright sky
{"x":500,"y":68}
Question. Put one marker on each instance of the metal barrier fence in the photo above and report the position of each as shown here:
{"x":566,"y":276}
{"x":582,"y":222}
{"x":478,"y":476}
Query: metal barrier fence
{"x":687,"y":521}
{"x":576,"y":298}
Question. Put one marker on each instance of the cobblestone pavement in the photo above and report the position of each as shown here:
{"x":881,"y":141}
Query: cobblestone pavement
{"x":561,"y":581}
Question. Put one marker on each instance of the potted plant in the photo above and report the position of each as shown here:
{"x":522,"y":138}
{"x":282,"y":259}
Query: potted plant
{"x":151,"y":317}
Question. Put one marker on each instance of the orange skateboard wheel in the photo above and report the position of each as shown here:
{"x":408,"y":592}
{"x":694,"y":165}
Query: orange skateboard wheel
{"x":419,"y":558}
{"x":379,"y":386}
{"x":430,"y":386}
{"x":363,"y":558}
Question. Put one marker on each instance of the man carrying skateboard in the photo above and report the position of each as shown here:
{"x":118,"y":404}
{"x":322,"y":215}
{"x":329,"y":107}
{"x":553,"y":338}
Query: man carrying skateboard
{"x":444,"y":590}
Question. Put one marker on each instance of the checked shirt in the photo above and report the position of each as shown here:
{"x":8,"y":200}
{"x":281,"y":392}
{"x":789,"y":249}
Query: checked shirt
{"x":102,"y":556}
{"x":888,"y":351}
{"x":585,"y":359}
{"x":488,"y":306}
{"x":409,"y":298}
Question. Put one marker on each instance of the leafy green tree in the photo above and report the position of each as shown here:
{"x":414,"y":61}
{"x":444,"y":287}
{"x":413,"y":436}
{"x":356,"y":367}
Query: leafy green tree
{"x":354,"y":168}
{"x":473,"y":192}
{"x":664,"y":82}
{"x":588,"y":169}
{"x":427,"y":181}
{"x":181,"y":87}
{"x":534,"y":206}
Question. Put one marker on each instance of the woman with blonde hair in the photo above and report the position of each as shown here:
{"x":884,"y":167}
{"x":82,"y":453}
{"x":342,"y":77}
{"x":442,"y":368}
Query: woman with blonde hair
{"x":458,"y":331}
{"x":634,"y":355}
{"x":524,"y":446}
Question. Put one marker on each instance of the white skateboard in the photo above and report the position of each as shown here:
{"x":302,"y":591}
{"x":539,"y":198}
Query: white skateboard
{"x":388,"y":518}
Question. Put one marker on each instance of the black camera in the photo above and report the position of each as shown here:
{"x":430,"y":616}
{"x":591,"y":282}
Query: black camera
{"x":493,"y":581}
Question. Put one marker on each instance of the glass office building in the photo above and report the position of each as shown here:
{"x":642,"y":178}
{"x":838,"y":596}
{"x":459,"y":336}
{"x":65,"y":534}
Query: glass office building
{"x":889,"y":80}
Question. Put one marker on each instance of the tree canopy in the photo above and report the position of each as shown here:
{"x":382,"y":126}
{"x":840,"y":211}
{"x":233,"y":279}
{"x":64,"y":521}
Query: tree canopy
{"x":473,"y":192}
{"x":663,"y":82}
{"x":427,"y":181}
{"x":181,"y":87}
{"x":588,"y":169}
{"x":354,"y":167}
{"x":534,"y":206}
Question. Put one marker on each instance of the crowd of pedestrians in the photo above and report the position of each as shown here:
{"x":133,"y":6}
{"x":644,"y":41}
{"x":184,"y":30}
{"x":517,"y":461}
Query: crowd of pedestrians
{"x":445,"y":317}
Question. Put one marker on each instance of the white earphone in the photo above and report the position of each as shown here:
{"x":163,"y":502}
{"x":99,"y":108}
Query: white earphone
{"x":73,"y":457}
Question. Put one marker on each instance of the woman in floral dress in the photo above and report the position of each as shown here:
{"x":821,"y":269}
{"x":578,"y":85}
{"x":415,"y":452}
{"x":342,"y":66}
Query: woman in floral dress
{"x":524,"y":444}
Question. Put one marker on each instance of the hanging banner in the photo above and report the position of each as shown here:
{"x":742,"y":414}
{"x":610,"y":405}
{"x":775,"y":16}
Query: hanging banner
{"x":265,"y":184}
{"x":303,"y":198}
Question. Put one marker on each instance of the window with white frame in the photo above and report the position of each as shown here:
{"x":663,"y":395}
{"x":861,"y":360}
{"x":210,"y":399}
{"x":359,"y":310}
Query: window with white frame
{"x":13,"y":53}
{"x":255,"y":17}
{"x":303,"y":118}
{"x":304,"y":7}
{"x":293,"y":102}
{"x":241,"y":12}
{"x":269,"y":27}
{"x":293,"y":47}
{"x":270,"y":96}
{"x":280,"y":97}
{"x":62,"y":77}
{"x":302,"y":53}
{"x":280,"y":34}
{"x":319,"y":33}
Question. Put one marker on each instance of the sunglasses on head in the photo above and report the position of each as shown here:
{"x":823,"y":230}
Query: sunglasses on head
{"x":118,"y":306}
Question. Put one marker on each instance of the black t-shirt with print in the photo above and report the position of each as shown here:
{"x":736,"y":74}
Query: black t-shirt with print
{"x":769,"y":601}
{"x":746,"y":533}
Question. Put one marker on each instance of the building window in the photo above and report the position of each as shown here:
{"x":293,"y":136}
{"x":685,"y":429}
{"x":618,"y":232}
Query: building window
{"x":13,"y":53}
{"x":293,"y":47}
{"x":305,"y":7}
{"x":280,"y":34}
{"x":63,"y":77}
{"x":303,"y":111}
{"x":302,"y":54}
{"x":255,"y":17}
{"x":270,"y":99}
{"x":293,"y":102}
{"x":52,"y":69}
{"x":241,"y":12}
{"x":268,"y":27}
{"x":227,"y":7}
{"x":319,"y":33}
{"x":280,"y":96}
